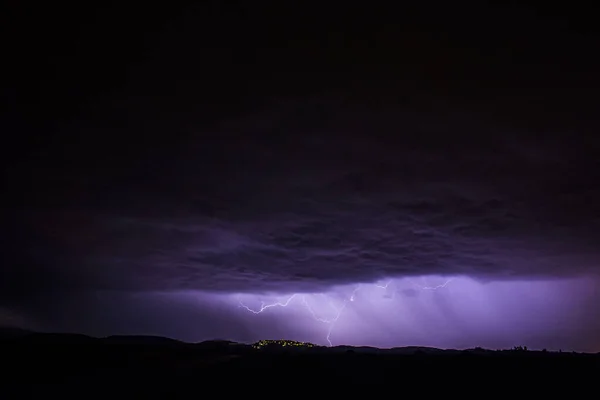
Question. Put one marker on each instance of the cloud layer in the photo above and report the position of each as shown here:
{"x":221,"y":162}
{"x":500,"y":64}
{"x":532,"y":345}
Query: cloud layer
{"x":307,"y":195}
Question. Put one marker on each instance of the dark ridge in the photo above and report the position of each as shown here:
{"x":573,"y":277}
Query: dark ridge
{"x":66,"y":365}
{"x":12,"y":332}
{"x":140,"y":339}
{"x":38,"y":338}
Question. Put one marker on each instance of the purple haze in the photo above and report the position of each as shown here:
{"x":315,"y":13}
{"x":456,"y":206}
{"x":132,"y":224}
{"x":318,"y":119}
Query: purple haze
{"x":432,"y":311}
{"x":443,"y":312}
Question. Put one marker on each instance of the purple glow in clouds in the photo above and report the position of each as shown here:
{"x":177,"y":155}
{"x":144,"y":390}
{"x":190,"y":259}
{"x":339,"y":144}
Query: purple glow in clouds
{"x":456,"y":312}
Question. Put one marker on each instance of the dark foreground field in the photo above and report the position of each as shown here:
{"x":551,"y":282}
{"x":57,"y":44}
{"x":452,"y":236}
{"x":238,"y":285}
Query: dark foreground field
{"x":76,"y":366}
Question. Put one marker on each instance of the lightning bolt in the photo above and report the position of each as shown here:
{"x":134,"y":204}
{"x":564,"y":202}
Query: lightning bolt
{"x":331,"y":322}
{"x":264,"y":306}
{"x":383,"y":286}
{"x":353,"y":295}
{"x":443,"y":285}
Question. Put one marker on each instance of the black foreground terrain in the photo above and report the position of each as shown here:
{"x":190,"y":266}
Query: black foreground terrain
{"x":39,"y":365}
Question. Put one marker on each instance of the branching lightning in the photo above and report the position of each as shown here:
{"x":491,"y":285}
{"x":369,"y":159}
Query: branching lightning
{"x":443,"y":285}
{"x":383,"y":286}
{"x":338,"y":309}
{"x":264,"y":306}
{"x":329,"y":321}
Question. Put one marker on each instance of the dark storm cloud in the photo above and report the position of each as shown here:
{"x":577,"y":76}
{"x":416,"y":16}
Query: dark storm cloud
{"x":309,"y":196}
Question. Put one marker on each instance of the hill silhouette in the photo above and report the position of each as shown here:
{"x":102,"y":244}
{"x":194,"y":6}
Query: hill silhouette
{"x":140,"y":340}
{"x":155,"y":367}
{"x":11,"y":332}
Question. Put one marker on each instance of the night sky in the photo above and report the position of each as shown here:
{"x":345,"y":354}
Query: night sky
{"x":387,"y":177}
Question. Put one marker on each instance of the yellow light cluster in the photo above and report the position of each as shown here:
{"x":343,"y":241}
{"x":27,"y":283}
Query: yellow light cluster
{"x":281,"y":343}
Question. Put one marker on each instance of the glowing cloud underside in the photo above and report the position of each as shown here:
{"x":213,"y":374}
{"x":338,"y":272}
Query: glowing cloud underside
{"x":444,"y":312}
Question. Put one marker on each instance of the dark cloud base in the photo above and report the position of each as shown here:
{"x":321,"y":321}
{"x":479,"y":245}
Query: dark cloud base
{"x":379,"y":194}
